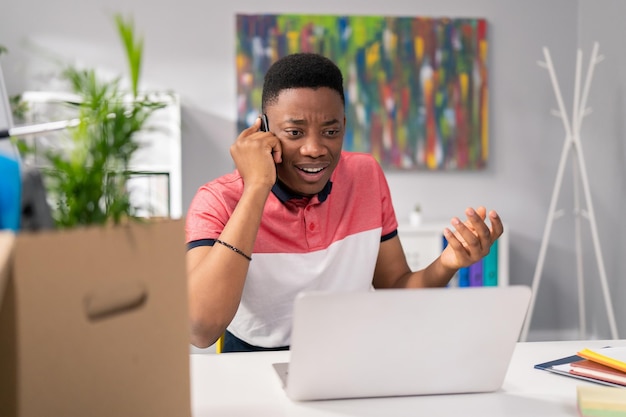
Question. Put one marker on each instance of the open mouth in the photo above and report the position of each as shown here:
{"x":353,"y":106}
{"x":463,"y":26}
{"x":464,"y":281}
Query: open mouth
{"x":312,"y":171}
{"x":312,"y":174}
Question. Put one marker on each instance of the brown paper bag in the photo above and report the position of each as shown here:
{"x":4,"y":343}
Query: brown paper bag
{"x":93,"y":322}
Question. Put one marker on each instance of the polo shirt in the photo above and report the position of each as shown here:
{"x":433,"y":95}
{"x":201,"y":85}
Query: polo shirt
{"x":327,"y":242}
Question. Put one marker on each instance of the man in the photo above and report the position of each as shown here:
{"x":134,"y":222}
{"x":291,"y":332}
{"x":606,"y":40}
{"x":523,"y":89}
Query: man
{"x":300,"y":214}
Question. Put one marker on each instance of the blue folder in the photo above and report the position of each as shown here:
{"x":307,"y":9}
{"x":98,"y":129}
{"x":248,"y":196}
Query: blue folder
{"x":10,"y":194}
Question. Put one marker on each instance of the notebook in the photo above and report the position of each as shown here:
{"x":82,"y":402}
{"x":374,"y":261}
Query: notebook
{"x":402,"y":342}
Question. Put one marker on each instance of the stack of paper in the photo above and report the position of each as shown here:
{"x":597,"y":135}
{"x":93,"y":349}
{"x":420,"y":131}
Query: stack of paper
{"x":614,"y":357}
{"x":594,"y":401}
{"x":595,"y":370}
{"x":605,"y":366}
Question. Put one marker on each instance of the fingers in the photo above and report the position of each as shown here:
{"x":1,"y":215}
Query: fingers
{"x":277,"y":152}
{"x":274,"y":143}
{"x":259,"y":139}
{"x":481,"y":211}
{"x":470,"y":232}
{"x":496,"y":225}
{"x":477,"y":221}
{"x":471,"y":240}
{"x":475,"y":236}
{"x":256,"y":126}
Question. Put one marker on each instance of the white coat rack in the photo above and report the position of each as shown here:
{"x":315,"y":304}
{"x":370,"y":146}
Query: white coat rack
{"x":572,"y":148}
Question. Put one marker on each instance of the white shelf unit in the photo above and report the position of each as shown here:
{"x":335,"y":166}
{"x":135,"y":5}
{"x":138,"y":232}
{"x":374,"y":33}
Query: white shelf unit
{"x":423,"y":244}
{"x":155,"y":185}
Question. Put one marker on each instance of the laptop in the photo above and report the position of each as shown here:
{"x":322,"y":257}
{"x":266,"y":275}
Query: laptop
{"x":7,"y":129}
{"x":34,"y":210}
{"x":400,"y":342}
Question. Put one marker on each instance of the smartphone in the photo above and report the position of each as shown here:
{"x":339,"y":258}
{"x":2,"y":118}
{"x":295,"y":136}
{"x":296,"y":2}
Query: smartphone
{"x":265,"y":127}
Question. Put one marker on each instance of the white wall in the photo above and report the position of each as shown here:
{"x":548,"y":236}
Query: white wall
{"x":190,"y":49}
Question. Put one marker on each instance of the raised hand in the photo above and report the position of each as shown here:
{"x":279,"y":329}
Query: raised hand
{"x":471,"y":240}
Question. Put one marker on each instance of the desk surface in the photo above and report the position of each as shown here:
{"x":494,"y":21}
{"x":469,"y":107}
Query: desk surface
{"x":245,"y":384}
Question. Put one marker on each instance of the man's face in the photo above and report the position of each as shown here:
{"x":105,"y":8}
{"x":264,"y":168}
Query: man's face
{"x":310,"y":125}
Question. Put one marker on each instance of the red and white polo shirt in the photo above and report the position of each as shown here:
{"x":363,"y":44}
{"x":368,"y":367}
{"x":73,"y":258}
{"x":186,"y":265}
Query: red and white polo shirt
{"x":327,"y":242}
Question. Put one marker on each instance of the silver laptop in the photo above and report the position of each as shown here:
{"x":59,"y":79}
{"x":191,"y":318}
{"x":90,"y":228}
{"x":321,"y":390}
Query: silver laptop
{"x":36,"y":213}
{"x":402,"y":342}
{"x":7,"y":129}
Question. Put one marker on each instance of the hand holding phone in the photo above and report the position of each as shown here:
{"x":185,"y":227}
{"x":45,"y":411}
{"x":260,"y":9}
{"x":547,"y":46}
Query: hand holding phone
{"x":265,"y":127}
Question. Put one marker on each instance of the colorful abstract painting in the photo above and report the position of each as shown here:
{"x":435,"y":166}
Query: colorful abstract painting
{"x":416,"y":87}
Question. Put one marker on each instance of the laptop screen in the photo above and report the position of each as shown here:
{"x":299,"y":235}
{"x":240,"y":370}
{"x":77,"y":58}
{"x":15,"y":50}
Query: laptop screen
{"x":6,"y":120}
{"x":35,"y":213}
{"x":7,"y":127}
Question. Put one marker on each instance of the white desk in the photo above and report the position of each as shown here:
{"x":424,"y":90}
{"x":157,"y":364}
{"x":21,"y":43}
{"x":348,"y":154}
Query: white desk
{"x":245,"y":384}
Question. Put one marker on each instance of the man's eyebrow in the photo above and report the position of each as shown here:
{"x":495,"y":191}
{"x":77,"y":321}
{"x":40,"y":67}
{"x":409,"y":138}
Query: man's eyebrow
{"x":302,"y":122}
{"x":331,"y":122}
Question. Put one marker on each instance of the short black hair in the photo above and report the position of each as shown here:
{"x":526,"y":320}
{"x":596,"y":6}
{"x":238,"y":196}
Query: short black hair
{"x":301,"y":70}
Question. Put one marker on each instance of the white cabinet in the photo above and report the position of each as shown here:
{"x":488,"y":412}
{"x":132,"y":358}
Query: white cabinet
{"x":423,"y":244}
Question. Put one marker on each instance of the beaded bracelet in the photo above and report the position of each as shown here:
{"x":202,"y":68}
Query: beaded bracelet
{"x":231,"y":247}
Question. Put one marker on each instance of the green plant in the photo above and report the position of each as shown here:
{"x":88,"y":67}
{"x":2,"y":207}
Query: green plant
{"x":88,"y":181}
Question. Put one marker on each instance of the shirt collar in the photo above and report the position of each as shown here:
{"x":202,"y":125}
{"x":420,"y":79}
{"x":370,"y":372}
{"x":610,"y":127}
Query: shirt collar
{"x":284,"y":194}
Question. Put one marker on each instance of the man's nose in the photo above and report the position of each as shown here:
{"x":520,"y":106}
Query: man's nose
{"x":313,"y":146}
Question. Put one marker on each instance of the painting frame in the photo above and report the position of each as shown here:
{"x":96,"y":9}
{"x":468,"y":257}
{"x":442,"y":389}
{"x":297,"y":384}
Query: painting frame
{"x":416,"y":88}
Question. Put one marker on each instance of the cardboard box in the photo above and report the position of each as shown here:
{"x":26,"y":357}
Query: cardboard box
{"x":94,"y":322}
